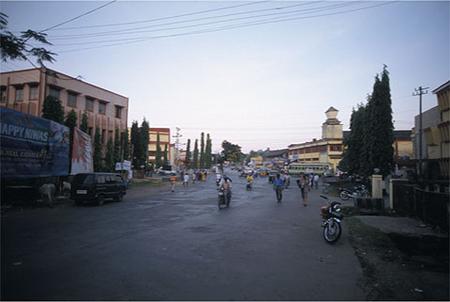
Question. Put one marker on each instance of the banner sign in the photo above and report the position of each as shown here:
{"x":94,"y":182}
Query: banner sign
{"x":82,"y":161}
{"x":31,"y":146}
{"x":123,"y":166}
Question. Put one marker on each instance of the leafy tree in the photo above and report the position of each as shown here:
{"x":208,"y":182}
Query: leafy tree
{"x":23,"y":47}
{"x":195,"y":163}
{"x":166,"y":152}
{"x":136,"y":145}
{"x":117,"y":147}
{"x":144,"y":132}
{"x":231,"y":152}
{"x":187,"y":160}
{"x":53,"y":110}
{"x":71,"y":119}
{"x":109,"y":156}
{"x":208,"y":151}
{"x":125,"y":144}
{"x":158,"y":162}
{"x":202,"y":150}
{"x":382,"y":127}
{"x":351,"y":161}
{"x":84,"y":123}
{"x":97,"y":157}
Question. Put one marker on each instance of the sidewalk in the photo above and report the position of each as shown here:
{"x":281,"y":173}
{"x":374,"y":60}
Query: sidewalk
{"x":405,"y":226}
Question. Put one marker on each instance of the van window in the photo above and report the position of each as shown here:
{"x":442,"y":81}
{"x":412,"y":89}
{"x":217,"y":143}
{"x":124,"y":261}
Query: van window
{"x":100,"y":179}
{"x":83,"y":179}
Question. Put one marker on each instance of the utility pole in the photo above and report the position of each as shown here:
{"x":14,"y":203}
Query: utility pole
{"x":419,"y":92}
{"x":177,"y":137}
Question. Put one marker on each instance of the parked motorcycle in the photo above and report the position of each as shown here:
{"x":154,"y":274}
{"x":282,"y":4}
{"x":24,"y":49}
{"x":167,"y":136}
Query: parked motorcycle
{"x":356,"y":191}
{"x":332,"y":217}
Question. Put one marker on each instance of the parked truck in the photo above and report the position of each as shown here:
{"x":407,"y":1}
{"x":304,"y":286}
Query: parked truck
{"x":35,"y":156}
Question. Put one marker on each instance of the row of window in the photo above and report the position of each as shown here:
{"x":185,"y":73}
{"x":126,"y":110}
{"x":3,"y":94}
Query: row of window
{"x":72,"y":98}
{"x":315,"y":149}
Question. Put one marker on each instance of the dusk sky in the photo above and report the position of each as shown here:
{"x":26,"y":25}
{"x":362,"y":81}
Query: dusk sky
{"x":265,"y":85}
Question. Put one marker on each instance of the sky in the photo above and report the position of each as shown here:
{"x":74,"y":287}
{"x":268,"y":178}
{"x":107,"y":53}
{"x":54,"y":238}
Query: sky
{"x":260,"y":86}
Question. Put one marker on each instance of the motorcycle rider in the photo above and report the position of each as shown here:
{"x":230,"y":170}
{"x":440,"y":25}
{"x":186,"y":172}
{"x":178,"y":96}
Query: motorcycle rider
{"x":249,"y":181}
{"x":225,"y":185}
{"x":278,"y":186}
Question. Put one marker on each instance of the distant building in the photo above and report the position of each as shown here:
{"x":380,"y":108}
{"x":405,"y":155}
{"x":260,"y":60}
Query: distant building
{"x":435,"y":136}
{"x":327,"y":150}
{"x":26,"y":90}
{"x":164,"y":140}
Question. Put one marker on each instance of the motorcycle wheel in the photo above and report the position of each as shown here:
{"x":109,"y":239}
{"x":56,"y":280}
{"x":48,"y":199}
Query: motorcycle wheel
{"x":332,"y":231}
{"x":343,"y":195}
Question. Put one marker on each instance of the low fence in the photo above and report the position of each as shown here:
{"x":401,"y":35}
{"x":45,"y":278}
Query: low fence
{"x":431,"y":207}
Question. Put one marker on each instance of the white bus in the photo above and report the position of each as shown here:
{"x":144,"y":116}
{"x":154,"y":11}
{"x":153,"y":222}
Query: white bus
{"x":307,"y":168}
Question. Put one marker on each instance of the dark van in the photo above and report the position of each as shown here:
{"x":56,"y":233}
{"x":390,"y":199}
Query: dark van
{"x":96,"y":187}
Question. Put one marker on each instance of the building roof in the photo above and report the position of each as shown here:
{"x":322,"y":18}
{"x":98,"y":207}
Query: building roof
{"x":275,"y":153}
{"x":55,"y":73}
{"x":444,"y":86}
{"x":331,"y":109}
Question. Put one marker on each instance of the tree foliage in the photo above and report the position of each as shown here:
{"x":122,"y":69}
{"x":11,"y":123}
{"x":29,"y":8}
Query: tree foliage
{"x":369,"y":144}
{"x":117,"y":147}
{"x":144,"y":133}
{"x":158,"y":161}
{"x":136,"y":145}
{"x":84,"y":123}
{"x":195,"y":163}
{"x":97,"y":157}
{"x":231,"y":152}
{"x":187,"y":160}
{"x":125,"y":144}
{"x":165,"y":156}
{"x":23,"y":47}
{"x":109,"y":156}
{"x":53,"y":110}
{"x":202,"y":150}
{"x":208,"y":152}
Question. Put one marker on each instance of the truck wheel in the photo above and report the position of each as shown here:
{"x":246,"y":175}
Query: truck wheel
{"x":119,"y":197}
{"x":100,"y":200}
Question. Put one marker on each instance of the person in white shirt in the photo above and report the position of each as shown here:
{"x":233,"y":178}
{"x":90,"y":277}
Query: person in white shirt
{"x":186,"y":180}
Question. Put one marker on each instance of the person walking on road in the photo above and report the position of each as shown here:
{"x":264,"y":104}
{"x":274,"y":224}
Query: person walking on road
{"x":173,"y":180}
{"x":303,"y":184}
{"x":185,"y":180}
{"x":278,"y":185}
{"x":316,"y":181}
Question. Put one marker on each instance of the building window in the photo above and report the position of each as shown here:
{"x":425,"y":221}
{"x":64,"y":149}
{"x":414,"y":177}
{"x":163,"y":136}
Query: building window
{"x":118,"y":112}
{"x":34,"y":92}
{"x":3,"y":94}
{"x":101,"y":108}
{"x":54,"y":92}
{"x":335,"y":148}
{"x":72,"y":100}
{"x":90,"y":130}
{"x":19,"y":93}
{"x":89,"y":104}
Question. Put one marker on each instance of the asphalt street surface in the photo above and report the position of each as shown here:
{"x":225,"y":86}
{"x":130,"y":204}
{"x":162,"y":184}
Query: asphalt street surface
{"x":162,"y":245}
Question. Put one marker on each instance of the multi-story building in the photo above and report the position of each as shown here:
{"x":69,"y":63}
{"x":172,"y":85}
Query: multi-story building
{"x":326,"y":151}
{"x":26,"y":90}
{"x":435,"y":136}
{"x":164,"y":142}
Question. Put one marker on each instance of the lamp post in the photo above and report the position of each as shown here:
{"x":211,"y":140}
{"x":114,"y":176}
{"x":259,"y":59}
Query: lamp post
{"x":419,"y":92}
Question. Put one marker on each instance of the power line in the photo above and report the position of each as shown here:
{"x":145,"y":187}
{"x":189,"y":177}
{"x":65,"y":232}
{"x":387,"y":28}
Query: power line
{"x":77,"y":17}
{"x":137,"y":29}
{"x":254,"y":23}
{"x":163,"y":18}
{"x":295,"y":12}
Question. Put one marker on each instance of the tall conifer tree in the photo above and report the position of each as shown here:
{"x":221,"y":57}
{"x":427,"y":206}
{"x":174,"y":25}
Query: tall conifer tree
{"x":187,"y":160}
{"x":195,"y":156}
{"x":158,"y":162}
{"x":202,"y":150}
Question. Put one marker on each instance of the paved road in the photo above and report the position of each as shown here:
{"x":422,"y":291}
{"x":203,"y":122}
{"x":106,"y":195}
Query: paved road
{"x":178,"y":246}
